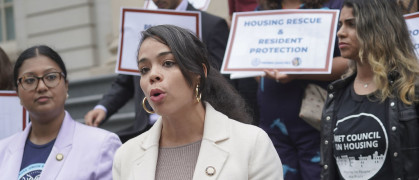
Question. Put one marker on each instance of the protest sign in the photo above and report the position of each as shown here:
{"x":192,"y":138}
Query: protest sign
{"x":291,"y":41}
{"x":134,"y":21}
{"x":412,"y":21}
{"x":13,"y":117}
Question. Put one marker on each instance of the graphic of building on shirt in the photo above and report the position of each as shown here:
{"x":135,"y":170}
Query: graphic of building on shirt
{"x":345,"y":160}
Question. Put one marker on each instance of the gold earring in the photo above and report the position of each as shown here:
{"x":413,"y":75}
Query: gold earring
{"x":145,"y":107}
{"x":198,"y":95}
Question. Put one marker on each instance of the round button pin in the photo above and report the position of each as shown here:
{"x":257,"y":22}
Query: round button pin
{"x":59,"y":157}
{"x":210,"y":170}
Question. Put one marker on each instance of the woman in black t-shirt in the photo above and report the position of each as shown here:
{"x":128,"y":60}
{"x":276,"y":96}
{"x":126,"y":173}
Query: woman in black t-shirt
{"x":370,"y":121}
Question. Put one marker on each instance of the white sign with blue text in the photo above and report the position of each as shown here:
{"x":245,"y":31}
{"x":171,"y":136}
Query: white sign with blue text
{"x":134,"y":21}
{"x":412,"y":21}
{"x":291,"y":41}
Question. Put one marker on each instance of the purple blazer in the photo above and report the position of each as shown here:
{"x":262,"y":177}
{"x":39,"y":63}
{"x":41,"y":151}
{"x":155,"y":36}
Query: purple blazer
{"x":87,"y":153}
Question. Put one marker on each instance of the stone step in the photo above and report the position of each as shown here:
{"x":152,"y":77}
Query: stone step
{"x":79,"y":106}
{"x":90,"y":86}
{"x":84,"y":94}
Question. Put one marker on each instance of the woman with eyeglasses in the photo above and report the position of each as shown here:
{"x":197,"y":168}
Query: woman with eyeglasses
{"x":53,"y":145}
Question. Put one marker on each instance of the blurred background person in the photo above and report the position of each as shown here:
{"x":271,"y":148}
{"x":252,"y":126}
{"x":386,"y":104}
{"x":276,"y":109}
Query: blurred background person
{"x":279,"y":101}
{"x":378,"y":97}
{"x":334,"y":4}
{"x":247,"y":87}
{"x":6,"y":78}
{"x":408,"y":6}
{"x":53,"y":145}
{"x":196,"y":136}
{"x":241,"y":6}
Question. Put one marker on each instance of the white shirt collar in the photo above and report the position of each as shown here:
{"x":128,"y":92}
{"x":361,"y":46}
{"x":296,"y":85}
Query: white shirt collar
{"x":182,"y":6}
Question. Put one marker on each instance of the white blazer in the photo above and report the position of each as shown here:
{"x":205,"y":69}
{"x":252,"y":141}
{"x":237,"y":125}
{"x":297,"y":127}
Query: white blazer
{"x":234,"y":150}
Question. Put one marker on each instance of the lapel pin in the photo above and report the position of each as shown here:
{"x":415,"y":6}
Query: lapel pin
{"x":59,"y":157}
{"x":210,"y":171}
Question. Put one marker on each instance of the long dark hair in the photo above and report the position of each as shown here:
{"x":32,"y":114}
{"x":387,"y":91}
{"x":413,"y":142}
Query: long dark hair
{"x":386,"y":45}
{"x":6,"y":81}
{"x":191,"y":54}
{"x":36,"y":51}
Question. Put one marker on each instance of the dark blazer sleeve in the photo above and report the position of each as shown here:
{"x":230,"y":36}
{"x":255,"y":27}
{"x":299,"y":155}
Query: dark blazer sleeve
{"x":217,"y":42}
{"x":214,"y":35}
{"x":121,"y":91}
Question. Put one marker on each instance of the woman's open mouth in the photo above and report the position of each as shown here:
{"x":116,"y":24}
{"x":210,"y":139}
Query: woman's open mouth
{"x":157,"y":95}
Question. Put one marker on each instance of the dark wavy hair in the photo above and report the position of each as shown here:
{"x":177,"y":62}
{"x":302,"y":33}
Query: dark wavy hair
{"x":6,"y":81}
{"x":190,"y":54}
{"x":36,"y":51}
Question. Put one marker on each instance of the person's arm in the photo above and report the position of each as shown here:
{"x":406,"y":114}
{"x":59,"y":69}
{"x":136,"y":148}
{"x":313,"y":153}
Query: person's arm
{"x":117,"y":163}
{"x":95,"y":116}
{"x":339,"y":67}
{"x":265,"y":162}
{"x":122,"y":90}
{"x":105,"y":161}
{"x":217,"y":43}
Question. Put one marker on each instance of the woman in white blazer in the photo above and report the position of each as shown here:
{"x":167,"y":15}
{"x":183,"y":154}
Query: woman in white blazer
{"x":196,"y":136}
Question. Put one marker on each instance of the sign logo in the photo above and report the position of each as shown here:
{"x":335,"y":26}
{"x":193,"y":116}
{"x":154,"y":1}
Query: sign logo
{"x":296,"y":61}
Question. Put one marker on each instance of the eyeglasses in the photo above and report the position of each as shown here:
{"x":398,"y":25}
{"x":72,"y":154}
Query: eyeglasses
{"x":30,"y":82}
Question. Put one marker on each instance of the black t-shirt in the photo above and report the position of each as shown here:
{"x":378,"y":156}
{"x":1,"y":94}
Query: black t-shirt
{"x":360,"y":144}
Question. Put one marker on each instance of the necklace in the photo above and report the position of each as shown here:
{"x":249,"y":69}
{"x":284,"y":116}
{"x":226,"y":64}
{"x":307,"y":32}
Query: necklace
{"x":364,"y":84}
